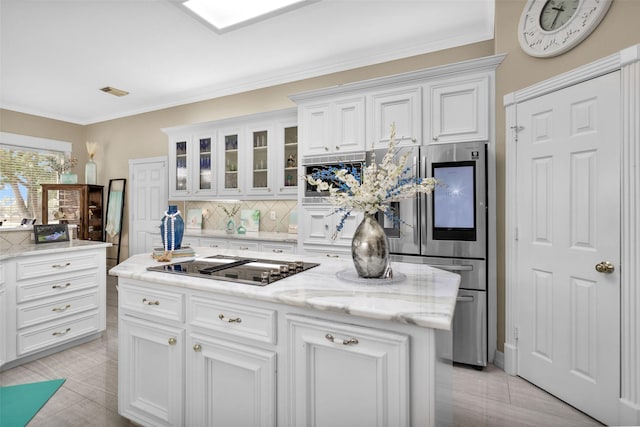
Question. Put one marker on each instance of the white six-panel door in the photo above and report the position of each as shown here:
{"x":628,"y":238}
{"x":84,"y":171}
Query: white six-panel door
{"x":147,"y":201}
{"x":568,"y":221}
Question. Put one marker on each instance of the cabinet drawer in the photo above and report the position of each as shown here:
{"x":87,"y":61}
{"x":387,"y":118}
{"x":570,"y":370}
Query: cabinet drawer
{"x":209,"y":242}
{"x":152,"y":302}
{"x":55,"y":308}
{"x":237,"y":319}
{"x":279,"y":248}
{"x":66,"y":262}
{"x":51,"y":335}
{"x":244,"y":246}
{"x":55,"y":286}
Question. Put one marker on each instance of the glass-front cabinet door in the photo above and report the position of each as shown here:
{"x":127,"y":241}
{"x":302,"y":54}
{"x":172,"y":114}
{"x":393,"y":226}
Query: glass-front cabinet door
{"x":179,"y":185}
{"x":204,"y":158}
{"x":230,"y":163}
{"x":288,"y":179}
{"x":260,"y":160}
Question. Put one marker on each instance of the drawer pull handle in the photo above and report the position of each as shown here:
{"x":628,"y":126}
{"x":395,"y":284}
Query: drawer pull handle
{"x":66,"y":307}
{"x":197,"y":348}
{"x":66,"y":285}
{"x":172,"y":341}
{"x":213,"y":246}
{"x":278,"y":251}
{"x":61,"y":265}
{"x":56,"y":334}
{"x":349,"y":341}
{"x":333,"y":256}
{"x":230,"y":320}
{"x":149,"y":302}
{"x":243,"y":248}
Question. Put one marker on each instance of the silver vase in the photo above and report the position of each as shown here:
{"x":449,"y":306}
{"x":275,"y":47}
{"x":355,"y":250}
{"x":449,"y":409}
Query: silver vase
{"x":370,"y":249}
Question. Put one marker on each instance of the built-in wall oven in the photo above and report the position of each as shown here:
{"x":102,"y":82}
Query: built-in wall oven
{"x":317,"y":166}
{"x":448,"y":230}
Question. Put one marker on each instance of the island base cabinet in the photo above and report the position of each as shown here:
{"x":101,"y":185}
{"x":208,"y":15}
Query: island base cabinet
{"x":150,"y":372}
{"x":230,"y":384}
{"x":347,"y":375}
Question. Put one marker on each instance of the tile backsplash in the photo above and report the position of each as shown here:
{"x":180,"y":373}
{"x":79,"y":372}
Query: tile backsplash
{"x":215,"y":218}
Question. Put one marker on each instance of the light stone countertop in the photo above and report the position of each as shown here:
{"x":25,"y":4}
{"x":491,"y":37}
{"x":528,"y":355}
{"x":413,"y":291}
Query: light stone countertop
{"x":426,"y":297}
{"x":12,"y":251}
{"x":259,"y":235}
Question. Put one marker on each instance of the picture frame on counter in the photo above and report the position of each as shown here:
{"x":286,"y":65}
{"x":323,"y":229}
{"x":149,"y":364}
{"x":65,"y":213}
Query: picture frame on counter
{"x":51,"y":233}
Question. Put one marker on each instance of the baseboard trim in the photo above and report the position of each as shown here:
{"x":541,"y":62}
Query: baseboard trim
{"x":510,"y":359}
{"x":629,"y":413}
{"x":498,"y":359}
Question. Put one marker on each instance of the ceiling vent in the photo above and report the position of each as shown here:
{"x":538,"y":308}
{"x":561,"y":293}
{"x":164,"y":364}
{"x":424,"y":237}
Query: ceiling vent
{"x":113,"y":91}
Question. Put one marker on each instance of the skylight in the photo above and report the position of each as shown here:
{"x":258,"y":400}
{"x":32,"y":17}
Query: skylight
{"x":225,"y":15}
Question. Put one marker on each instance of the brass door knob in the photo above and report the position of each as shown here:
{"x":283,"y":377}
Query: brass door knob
{"x":604,"y":267}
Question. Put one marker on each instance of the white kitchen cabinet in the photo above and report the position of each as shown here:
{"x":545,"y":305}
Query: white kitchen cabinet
{"x":216,"y":367}
{"x":230,"y":384}
{"x":240,"y":157}
{"x":232,"y":165}
{"x":50,"y":302}
{"x":150,"y":372}
{"x":211,"y":242}
{"x":333,"y":127}
{"x":459,"y":109}
{"x":399,"y":107}
{"x":191,"y":165}
{"x":331,"y":363}
{"x":319,"y":231}
{"x":59,"y":298}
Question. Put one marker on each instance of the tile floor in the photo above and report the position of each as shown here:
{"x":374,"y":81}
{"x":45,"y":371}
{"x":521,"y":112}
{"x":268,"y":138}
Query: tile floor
{"x":89,"y":396}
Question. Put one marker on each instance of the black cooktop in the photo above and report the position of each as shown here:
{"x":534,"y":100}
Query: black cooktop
{"x":251,"y":271}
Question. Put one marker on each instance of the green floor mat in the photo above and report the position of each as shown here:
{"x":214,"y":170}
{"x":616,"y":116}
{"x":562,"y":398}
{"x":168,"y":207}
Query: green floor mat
{"x":20,"y":403}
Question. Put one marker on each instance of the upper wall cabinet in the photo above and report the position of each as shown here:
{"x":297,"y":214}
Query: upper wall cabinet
{"x":333,"y":127}
{"x":445,"y":104}
{"x":252,"y":156}
{"x":401,"y":108}
{"x":459,"y":109}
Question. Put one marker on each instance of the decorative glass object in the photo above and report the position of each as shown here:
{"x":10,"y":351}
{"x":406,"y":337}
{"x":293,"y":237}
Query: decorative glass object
{"x":172,"y":229}
{"x":231,"y":226}
{"x":91,"y":173}
{"x":370,"y":249}
{"x":68,"y":178}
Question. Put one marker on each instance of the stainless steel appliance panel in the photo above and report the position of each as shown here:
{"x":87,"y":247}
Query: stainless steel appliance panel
{"x":470,"y":328}
{"x":461,"y":203}
{"x":403,"y":235}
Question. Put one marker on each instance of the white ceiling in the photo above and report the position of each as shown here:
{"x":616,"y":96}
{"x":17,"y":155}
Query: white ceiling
{"x":56,"y":55}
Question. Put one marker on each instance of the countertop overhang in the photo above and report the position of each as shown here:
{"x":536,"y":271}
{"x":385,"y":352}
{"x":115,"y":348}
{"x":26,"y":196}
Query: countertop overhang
{"x":12,"y":251}
{"x":426,"y":298}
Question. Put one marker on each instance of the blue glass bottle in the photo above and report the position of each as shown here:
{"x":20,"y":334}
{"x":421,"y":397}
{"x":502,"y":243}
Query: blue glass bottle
{"x":172,"y":239}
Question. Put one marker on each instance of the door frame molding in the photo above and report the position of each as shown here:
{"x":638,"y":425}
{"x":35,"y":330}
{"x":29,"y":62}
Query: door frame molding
{"x":628,"y":62}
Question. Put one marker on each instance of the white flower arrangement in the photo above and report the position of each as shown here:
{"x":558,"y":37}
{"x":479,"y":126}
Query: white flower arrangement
{"x":373,"y":189}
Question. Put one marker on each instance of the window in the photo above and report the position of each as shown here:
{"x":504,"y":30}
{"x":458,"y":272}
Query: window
{"x":24,"y":166}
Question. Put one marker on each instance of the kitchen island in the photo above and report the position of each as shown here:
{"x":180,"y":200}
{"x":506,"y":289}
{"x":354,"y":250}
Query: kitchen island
{"x":309,"y":349}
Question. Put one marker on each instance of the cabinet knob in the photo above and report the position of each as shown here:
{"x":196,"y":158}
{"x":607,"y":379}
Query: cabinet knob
{"x":326,"y":148}
{"x":435,"y":138}
{"x":197,"y":348}
{"x":172,"y":341}
{"x":337,"y":148}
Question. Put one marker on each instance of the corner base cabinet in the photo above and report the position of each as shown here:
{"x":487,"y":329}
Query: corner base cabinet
{"x":75,"y":204}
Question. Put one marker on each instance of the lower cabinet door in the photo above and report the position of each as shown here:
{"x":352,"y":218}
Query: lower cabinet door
{"x":347,"y":375}
{"x":150,"y":372}
{"x":230,"y":384}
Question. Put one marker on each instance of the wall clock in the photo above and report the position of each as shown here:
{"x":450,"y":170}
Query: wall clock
{"x":552,"y":27}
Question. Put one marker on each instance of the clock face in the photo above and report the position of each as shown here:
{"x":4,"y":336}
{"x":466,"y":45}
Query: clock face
{"x":551,"y":27}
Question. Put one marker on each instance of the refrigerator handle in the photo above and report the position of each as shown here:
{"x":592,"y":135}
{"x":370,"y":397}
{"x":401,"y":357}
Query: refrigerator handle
{"x":452,"y":267}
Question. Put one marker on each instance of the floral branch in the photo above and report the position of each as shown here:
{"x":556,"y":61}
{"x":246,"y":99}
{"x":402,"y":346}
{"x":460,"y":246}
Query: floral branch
{"x":61,"y":166}
{"x":233,"y":212}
